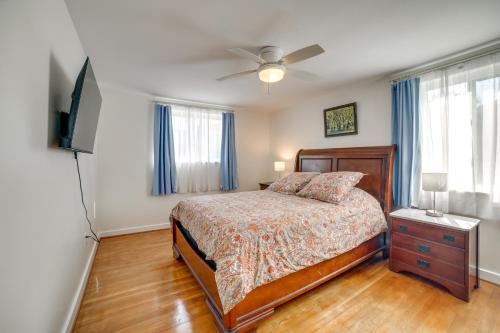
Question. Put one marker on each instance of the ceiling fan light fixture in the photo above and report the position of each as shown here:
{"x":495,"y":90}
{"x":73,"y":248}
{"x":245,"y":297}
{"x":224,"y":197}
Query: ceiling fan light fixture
{"x":271,"y":73}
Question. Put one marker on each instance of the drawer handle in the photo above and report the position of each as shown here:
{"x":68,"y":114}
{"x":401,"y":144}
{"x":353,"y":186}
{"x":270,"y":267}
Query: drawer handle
{"x":423,"y":263}
{"x":403,"y":227}
{"x":449,"y":238}
{"x":424,"y":248}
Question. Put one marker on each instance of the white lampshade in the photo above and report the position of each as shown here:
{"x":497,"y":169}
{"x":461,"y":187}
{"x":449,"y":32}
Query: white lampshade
{"x":279,"y":166}
{"x":435,"y":182}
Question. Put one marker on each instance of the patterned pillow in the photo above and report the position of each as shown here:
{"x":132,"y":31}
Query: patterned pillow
{"x":331,"y":186}
{"x":292,"y":183}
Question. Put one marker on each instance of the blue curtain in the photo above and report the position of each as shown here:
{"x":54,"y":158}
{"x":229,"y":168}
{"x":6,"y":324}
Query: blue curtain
{"x":164,"y":157}
{"x":228,"y":172}
{"x":405,"y":134}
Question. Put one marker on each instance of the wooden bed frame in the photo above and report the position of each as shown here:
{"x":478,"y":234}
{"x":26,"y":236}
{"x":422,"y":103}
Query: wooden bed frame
{"x":259,"y":304}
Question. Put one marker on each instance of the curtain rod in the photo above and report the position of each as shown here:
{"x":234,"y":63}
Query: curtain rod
{"x":165,"y":100}
{"x":467,"y":55}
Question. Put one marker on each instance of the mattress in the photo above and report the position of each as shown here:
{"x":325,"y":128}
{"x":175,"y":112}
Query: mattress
{"x":194,"y":245}
{"x":257,"y":237}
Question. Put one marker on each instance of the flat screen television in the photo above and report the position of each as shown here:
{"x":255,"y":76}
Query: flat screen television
{"x":78,"y":127}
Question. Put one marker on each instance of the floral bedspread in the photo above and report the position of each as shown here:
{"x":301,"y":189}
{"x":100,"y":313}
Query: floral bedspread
{"x":258,"y":237}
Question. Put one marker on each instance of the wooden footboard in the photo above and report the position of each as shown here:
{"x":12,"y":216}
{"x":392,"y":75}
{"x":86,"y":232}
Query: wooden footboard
{"x":260,"y":303}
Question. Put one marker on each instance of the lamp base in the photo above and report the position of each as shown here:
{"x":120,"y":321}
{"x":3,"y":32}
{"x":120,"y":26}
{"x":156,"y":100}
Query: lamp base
{"x":433,"y":213}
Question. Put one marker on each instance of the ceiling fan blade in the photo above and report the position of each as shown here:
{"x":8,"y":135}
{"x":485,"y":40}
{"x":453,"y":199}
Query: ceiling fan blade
{"x":302,"y":54}
{"x":247,"y":54}
{"x":303,"y":75}
{"x":231,"y":76}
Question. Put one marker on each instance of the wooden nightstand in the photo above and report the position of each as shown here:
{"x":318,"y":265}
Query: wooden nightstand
{"x":441,"y":249}
{"x":264,"y":185}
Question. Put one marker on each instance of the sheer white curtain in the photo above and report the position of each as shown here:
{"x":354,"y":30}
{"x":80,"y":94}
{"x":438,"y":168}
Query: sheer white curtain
{"x":460,"y":134}
{"x":197,"y":134}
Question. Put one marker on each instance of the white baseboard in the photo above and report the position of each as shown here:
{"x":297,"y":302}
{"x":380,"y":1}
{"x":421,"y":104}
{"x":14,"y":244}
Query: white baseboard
{"x":133,"y":230}
{"x":486,"y":275}
{"x":490,"y":276}
{"x":77,"y":299}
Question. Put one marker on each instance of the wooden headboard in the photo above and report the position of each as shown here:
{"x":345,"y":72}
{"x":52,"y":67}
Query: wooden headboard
{"x":376,"y":162}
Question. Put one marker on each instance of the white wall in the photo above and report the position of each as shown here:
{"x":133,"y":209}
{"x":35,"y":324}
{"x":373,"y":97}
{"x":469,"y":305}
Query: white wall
{"x":42,"y":247}
{"x":125,"y":165}
{"x":302,"y":127}
{"x":489,"y":249}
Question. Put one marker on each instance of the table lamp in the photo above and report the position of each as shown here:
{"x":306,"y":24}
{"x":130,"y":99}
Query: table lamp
{"x":434,"y":182}
{"x":279,"y":166}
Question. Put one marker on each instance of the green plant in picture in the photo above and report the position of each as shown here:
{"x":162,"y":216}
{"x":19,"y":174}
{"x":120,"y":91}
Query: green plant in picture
{"x":341,"y":120}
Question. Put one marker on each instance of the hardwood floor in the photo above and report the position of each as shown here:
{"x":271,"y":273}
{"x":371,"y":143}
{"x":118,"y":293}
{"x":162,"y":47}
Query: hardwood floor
{"x":137,"y":286}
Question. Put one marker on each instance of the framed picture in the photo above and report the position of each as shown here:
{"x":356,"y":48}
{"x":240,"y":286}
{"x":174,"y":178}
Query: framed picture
{"x":341,"y":120}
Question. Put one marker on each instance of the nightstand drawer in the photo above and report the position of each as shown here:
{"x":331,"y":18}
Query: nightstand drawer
{"x":429,"y":265}
{"x":429,"y":232}
{"x":449,"y":254}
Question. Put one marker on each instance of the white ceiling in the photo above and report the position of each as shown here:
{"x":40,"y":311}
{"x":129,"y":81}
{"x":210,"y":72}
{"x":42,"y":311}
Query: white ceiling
{"x":178,"y":48}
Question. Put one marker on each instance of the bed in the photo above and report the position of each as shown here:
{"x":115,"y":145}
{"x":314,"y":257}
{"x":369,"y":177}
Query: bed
{"x":241,"y":293}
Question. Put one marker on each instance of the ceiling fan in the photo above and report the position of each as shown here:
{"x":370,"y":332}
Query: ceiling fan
{"x":272,"y":62}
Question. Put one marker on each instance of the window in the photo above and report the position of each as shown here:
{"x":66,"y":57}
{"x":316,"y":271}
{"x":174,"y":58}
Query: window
{"x":460,"y":131}
{"x":197,"y":135}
